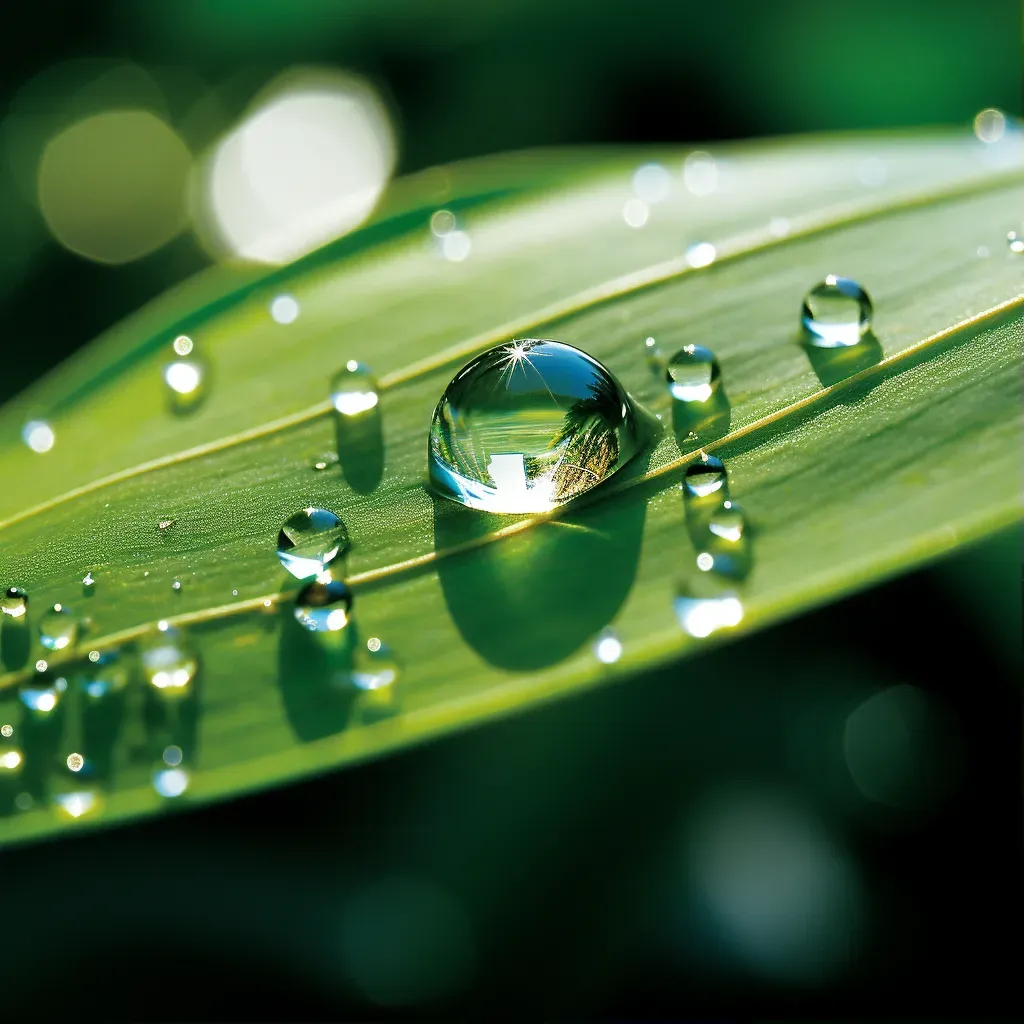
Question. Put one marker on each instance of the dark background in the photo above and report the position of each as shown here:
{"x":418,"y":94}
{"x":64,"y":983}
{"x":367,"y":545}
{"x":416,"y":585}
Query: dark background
{"x":556,"y":833}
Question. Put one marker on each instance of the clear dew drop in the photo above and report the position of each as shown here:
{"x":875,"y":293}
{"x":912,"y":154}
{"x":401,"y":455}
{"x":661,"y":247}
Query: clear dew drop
{"x":324,"y":606}
{"x":836,"y":313}
{"x":310,"y":540}
{"x":170,"y":783}
{"x":184,"y":376}
{"x":88,"y":584}
{"x":169,"y":663}
{"x":528,"y":426}
{"x":14,"y":603}
{"x":693,"y":375}
{"x":6,"y":730}
{"x":354,"y":389}
{"x":11,"y":761}
{"x":58,"y":628}
{"x":373,"y":666}
{"x":284,"y":309}
{"x":701,"y":254}
{"x":320,"y":463}
{"x":1015,"y":241}
{"x":176,"y":586}
{"x":43,"y":692}
{"x":654,"y":357}
{"x":103,"y":674}
{"x":704,"y":477}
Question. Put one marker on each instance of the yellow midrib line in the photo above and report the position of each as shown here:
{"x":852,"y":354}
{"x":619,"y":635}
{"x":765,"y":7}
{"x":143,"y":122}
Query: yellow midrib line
{"x":372,"y":576}
{"x":738,"y":247}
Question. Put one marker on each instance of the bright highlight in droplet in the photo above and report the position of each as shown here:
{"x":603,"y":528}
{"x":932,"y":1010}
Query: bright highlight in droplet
{"x":701,"y":254}
{"x":652,"y":183}
{"x":373,"y":644}
{"x":635,"y":212}
{"x":779,"y":227}
{"x":6,"y":731}
{"x":700,"y":617}
{"x":284,"y":309}
{"x":705,"y":562}
{"x":442,"y":223}
{"x":455,"y":245}
{"x":76,"y":804}
{"x":608,"y":648}
{"x":10,"y":760}
{"x":182,"y":345}
{"x":38,"y":435}
{"x":75,"y":762}
{"x":990,"y":125}
{"x":183,"y":377}
{"x":305,"y":167}
{"x":171,"y":782}
{"x":700,"y":173}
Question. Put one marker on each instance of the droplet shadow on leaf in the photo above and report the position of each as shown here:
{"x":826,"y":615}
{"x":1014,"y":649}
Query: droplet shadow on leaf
{"x":832,"y":365}
{"x":15,"y":644}
{"x":697,"y":423}
{"x":312,"y":675}
{"x":360,"y":445}
{"x":535,"y":598}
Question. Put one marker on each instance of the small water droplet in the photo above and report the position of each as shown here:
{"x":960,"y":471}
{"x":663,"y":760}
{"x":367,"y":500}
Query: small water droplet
{"x":527,"y":426}
{"x":701,"y":254}
{"x":373,"y":668}
{"x":38,"y":435}
{"x":105,"y":673}
{"x":310,"y":540}
{"x":42,"y":694}
{"x":705,"y":476}
{"x":456,"y":246}
{"x":990,"y":125}
{"x":354,"y":389}
{"x":652,"y":183}
{"x":14,"y":603}
{"x":176,"y":586}
{"x":323,"y":462}
{"x":168,"y":663}
{"x":75,"y":762}
{"x":1015,"y":241}
{"x":654,"y":357}
{"x":635,"y":212}
{"x":172,"y":756}
{"x":184,"y":377}
{"x":284,"y":309}
{"x":701,"y":615}
{"x":700,"y":173}
{"x":6,"y":730}
{"x":88,"y":584}
{"x":442,"y":223}
{"x":324,"y":606}
{"x":836,"y":313}
{"x":58,"y":628}
{"x":41,"y":665}
{"x":607,"y":647}
{"x":693,"y":374}
{"x":234,"y":593}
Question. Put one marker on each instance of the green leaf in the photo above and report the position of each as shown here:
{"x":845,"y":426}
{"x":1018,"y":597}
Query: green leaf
{"x":850,"y":468}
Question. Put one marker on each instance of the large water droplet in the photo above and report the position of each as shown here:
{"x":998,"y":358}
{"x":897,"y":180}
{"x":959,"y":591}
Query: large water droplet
{"x":103,"y":673}
{"x":169,"y":663}
{"x":324,"y":606}
{"x":836,"y":313}
{"x":727,"y":524}
{"x":1015,"y":241}
{"x":58,"y":628}
{"x":184,"y":376}
{"x":14,"y":603}
{"x":354,"y":389}
{"x":693,"y":374}
{"x":704,"y":477}
{"x":527,"y":426}
{"x":310,"y":540}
